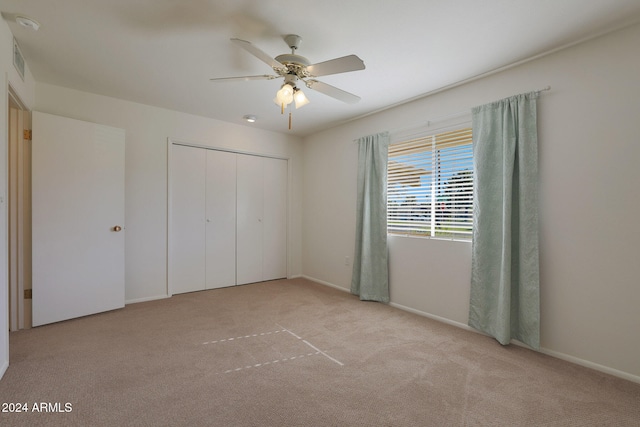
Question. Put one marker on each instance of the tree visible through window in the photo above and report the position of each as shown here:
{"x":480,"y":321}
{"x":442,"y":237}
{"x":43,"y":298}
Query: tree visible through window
{"x":430,"y":186}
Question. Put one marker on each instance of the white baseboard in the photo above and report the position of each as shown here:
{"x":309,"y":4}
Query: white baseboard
{"x":3,"y":368}
{"x":548,"y":352}
{"x":137,"y":300}
{"x":591,"y":365}
{"x":322,"y":282}
{"x":433,"y":317}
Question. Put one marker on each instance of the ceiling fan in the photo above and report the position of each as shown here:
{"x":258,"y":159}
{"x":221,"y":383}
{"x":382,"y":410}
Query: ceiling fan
{"x":294,"y":68}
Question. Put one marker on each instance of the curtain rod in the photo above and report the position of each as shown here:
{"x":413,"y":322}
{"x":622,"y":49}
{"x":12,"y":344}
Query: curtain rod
{"x":459,"y":114}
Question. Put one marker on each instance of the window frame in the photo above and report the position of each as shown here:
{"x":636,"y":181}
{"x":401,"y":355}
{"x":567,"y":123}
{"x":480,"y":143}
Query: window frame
{"x":437,"y":186}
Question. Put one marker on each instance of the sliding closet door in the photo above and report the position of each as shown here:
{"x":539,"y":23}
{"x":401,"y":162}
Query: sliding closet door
{"x":188,"y":183}
{"x":274,"y":233}
{"x":249,"y":211}
{"x":221,"y":219}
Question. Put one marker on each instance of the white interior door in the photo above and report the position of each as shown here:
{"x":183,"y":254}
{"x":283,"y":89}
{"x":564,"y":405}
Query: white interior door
{"x":188,"y":184}
{"x":221,"y":219}
{"x":249,"y":211}
{"x":78,"y":218}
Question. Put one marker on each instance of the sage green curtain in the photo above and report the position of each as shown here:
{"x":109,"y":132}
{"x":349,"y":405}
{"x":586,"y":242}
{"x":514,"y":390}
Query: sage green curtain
{"x":370,"y":279}
{"x":505,"y":291}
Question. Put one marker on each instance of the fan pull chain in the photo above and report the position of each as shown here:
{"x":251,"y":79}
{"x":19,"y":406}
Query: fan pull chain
{"x":289,"y":121}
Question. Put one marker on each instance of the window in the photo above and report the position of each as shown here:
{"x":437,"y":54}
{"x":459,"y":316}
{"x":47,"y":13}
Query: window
{"x":430,"y":186}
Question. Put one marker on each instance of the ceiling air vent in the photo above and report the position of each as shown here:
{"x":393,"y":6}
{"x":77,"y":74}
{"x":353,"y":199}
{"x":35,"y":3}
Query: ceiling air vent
{"x":18,"y":60}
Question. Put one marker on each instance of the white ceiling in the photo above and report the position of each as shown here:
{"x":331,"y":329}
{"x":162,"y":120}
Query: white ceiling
{"x":163,"y":52}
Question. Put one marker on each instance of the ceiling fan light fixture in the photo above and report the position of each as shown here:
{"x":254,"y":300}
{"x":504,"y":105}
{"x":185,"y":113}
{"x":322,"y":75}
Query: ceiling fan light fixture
{"x":300,"y":98}
{"x":285,"y":95}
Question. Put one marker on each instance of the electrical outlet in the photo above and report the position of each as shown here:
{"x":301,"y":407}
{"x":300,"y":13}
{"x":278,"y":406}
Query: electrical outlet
{"x":347,"y":261}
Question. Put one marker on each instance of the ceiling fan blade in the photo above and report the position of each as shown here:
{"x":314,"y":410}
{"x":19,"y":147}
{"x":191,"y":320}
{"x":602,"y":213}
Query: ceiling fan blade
{"x":335,"y":66}
{"x":258,"y":53}
{"x":244,"y":78}
{"x":332,"y":91}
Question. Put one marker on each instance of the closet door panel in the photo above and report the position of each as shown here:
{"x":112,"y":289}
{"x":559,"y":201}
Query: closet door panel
{"x":188,"y":177}
{"x":249,"y":212}
{"x":220,"y":219}
{"x":274,"y":247}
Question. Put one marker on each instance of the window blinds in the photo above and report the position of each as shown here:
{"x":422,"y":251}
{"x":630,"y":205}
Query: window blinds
{"x":430,"y":186}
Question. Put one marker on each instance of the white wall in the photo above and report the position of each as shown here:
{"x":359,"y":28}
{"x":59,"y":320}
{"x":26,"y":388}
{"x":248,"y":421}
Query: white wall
{"x":147,"y":129}
{"x":589,"y":148}
{"x":25,"y":90}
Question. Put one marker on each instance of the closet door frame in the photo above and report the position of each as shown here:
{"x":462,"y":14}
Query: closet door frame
{"x":178,"y":141}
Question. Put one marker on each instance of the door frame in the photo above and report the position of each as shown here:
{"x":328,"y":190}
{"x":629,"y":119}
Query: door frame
{"x":185,"y":142}
{"x":18,"y":210}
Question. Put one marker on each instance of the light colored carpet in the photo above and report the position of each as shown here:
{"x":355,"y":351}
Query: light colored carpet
{"x":294,"y":353}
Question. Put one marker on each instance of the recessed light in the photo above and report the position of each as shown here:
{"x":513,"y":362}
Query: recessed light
{"x":27,"y":22}
{"x":250,"y":118}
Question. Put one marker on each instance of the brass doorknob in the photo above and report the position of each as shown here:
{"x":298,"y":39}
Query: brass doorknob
{"x":117,"y":228}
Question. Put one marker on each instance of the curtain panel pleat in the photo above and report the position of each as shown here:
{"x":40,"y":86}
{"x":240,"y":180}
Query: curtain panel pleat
{"x":505,"y":295}
{"x":370,"y":279}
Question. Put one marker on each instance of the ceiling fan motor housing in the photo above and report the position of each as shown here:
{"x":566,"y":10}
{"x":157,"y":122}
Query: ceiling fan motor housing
{"x":287,"y":59}
{"x":295,"y":64}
